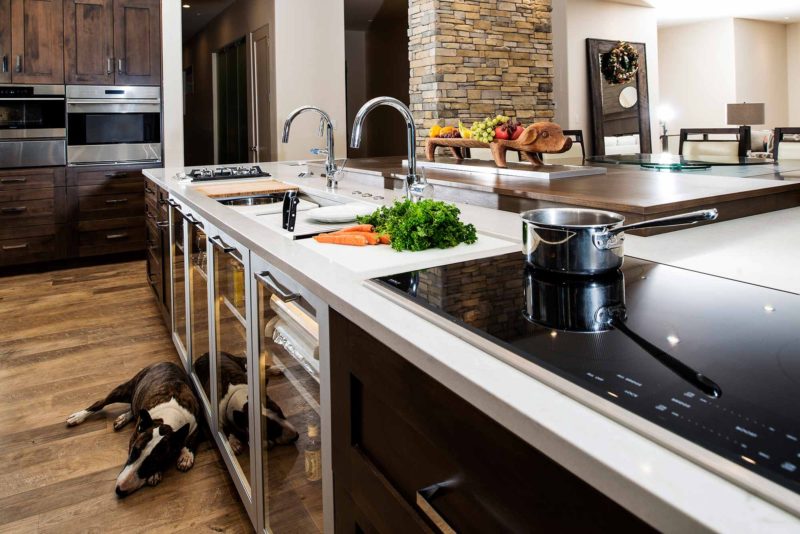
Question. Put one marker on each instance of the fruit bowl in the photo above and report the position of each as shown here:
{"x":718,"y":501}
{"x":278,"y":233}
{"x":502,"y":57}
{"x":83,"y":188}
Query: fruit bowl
{"x":538,"y":138}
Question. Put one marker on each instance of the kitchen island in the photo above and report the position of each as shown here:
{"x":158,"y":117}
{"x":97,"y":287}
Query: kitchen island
{"x":626,"y":189}
{"x":644,"y":478}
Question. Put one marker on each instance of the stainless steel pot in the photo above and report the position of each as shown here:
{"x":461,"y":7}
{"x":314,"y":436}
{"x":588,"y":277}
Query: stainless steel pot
{"x":586,"y":241}
{"x":593,"y":305}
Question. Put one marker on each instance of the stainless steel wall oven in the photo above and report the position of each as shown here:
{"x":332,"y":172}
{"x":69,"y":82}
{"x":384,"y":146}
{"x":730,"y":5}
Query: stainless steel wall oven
{"x":110,"y":125}
{"x":32,"y":126}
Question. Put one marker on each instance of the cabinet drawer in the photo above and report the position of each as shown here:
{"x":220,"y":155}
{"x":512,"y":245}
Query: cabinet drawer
{"x":110,"y":206}
{"x":30,"y":244}
{"x":22,"y":208}
{"x":92,"y":176}
{"x":397,"y":431}
{"x":31,"y":179}
{"x":110,"y":236}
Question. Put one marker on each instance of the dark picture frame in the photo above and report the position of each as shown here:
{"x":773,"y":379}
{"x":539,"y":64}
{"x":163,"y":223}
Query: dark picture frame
{"x":594,"y":48}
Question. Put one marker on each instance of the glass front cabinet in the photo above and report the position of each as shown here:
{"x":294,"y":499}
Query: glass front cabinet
{"x":247,"y":331}
{"x":291,"y":362}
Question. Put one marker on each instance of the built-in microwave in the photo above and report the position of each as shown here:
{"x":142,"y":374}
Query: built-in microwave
{"x":32,"y":128}
{"x":113,"y":125}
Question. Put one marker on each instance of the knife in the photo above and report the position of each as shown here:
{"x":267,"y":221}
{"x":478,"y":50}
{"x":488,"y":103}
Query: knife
{"x":294,"y":200}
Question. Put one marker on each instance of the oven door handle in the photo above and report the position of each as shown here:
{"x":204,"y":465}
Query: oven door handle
{"x":55,"y":98}
{"x":104,"y":101}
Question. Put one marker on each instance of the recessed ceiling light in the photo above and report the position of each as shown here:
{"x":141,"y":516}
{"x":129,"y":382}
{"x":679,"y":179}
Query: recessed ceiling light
{"x":673,"y":339}
{"x":186,"y":6}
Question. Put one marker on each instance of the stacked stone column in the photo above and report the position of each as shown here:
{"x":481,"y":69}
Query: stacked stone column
{"x":475,"y":58}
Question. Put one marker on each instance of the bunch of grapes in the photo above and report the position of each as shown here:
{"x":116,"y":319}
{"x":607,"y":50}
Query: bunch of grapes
{"x":484,"y":130}
{"x":455,"y":134}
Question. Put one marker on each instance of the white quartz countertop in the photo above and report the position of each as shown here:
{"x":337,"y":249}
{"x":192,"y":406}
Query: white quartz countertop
{"x":670,"y":492}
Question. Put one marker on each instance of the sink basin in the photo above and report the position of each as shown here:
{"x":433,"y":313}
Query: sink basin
{"x":257,"y":200}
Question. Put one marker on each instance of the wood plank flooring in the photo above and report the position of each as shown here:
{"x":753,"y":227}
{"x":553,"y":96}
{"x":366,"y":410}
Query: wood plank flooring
{"x":67,"y":338}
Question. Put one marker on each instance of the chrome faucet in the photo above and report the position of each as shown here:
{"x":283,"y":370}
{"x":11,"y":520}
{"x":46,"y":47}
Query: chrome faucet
{"x":325,"y":123}
{"x":415,"y":187}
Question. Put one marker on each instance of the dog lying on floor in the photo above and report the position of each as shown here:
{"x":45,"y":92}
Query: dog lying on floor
{"x":166,"y":411}
{"x":233,"y":405}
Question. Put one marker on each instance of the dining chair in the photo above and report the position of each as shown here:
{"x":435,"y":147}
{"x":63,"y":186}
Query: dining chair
{"x":786,"y":148}
{"x":693,"y":149}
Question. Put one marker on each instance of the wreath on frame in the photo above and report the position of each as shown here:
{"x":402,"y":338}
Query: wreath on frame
{"x":621,"y":64}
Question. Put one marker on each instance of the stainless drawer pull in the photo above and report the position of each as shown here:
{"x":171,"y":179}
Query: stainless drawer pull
{"x":119,"y":66}
{"x":192,"y":220}
{"x":15,"y":247}
{"x":162,"y":224}
{"x":424,"y":496}
{"x":111,"y":237}
{"x":5,"y":63}
{"x":120,"y":174}
{"x":270,"y":283}
{"x":173,"y":203}
{"x":151,"y":278}
{"x":116,"y":201}
{"x":227,"y":249}
{"x":149,"y":191}
{"x":110,"y":66}
{"x":15,"y":210}
{"x":18,"y":66}
{"x":13,"y":180}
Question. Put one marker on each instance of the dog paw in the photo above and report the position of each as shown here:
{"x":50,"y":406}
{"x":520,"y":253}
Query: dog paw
{"x":236,"y":446}
{"x":122,"y":420}
{"x":78,"y":417}
{"x":154,"y":479}
{"x":185,"y":460}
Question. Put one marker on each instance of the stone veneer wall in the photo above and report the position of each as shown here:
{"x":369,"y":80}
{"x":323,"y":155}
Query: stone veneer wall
{"x":474,"y":58}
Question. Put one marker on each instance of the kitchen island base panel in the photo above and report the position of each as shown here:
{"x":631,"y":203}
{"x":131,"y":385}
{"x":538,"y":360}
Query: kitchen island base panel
{"x":397,"y":431}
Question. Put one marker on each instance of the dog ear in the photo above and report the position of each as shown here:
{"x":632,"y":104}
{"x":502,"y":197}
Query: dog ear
{"x":145,"y":421}
{"x":181,"y":434}
{"x":240,"y":418}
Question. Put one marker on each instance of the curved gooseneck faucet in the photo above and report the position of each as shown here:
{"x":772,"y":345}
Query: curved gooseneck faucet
{"x":325,"y":123}
{"x":415,"y":186}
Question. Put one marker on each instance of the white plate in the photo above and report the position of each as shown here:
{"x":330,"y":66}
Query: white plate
{"x":340,"y":214}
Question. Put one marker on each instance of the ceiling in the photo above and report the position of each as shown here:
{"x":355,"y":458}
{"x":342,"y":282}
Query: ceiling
{"x":359,"y":14}
{"x":673,"y":12}
{"x":200,"y":13}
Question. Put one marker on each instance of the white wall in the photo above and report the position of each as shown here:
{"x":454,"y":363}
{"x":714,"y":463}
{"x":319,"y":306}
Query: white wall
{"x":761,"y":51}
{"x":309,"y":69}
{"x":697,"y":72}
{"x":576,"y":20}
{"x":793,"y":74}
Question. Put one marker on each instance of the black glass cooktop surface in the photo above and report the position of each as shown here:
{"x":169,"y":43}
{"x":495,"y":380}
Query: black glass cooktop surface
{"x":714,"y":361}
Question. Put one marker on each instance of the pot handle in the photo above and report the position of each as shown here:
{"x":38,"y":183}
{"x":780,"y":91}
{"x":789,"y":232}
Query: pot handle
{"x":674,"y":220}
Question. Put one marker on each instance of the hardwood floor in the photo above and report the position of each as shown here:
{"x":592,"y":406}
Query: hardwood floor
{"x":66,"y":339}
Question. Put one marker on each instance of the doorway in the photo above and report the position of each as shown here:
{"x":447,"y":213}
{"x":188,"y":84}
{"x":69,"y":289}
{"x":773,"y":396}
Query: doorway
{"x":230,"y":100}
{"x":260,"y":140}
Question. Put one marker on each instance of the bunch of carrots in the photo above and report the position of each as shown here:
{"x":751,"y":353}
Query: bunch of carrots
{"x":359,"y":236}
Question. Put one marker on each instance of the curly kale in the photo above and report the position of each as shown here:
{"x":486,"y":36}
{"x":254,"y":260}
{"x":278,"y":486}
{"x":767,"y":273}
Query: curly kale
{"x":421,"y":225}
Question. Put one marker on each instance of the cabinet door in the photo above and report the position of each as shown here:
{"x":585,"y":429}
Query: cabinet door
{"x":137,"y":42}
{"x":37,"y":42}
{"x":89,"y":41}
{"x":5,"y":41}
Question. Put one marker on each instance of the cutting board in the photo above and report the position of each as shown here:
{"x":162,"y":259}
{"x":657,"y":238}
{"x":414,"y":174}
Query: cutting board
{"x":382,"y":260}
{"x":259,"y":187}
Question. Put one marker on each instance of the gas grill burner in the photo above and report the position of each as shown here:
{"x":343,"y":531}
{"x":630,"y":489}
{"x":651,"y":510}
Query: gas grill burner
{"x":227,"y":173}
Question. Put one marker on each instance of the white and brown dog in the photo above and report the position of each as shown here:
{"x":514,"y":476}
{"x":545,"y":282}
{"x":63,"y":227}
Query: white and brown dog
{"x":166,"y":410}
{"x":234,"y":405}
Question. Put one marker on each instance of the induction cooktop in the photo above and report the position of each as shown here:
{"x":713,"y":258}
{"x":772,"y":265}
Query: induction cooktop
{"x":713,"y":361}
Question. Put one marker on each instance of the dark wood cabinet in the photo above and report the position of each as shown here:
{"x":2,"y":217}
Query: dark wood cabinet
{"x":112,"y":42}
{"x":89,"y":42}
{"x":408,"y":452}
{"x":37,"y":41}
{"x":156,"y":215}
{"x":5,"y":41}
{"x":32,"y":215}
{"x":137,"y":42}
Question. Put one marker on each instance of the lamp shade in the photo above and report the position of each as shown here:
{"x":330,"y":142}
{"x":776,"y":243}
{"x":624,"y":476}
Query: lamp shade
{"x":745,"y":114}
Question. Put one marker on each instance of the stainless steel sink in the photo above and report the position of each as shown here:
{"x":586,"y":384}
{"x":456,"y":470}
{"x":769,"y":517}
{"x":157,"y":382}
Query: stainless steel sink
{"x":257,"y":200}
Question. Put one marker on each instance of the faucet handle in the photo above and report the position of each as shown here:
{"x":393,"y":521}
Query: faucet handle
{"x":419,"y":188}
{"x":319,"y":151}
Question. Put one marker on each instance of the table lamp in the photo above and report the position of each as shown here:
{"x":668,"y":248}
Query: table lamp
{"x":744,"y":115}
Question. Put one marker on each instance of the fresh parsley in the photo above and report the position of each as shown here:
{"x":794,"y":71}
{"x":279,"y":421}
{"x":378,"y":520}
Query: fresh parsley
{"x":421,"y":225}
